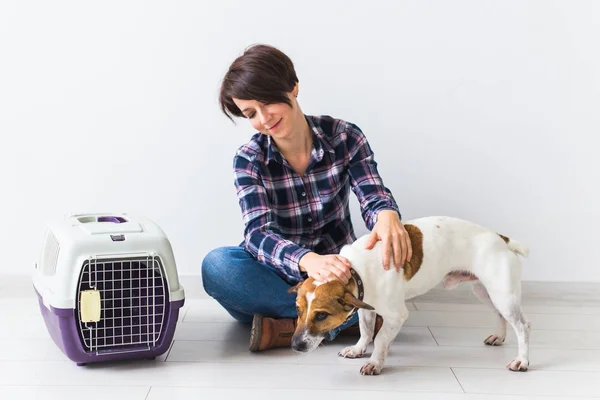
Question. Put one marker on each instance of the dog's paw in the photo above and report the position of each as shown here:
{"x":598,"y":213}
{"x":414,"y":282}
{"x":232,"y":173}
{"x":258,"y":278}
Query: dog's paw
{"x":494,"y":340}
{"x":518,"y":365}
{"x":352,"y":352}
{"x":371,"y":368}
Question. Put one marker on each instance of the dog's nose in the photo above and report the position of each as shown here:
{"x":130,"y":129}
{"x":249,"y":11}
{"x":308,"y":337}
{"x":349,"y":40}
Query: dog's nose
{"x":299,"y":345}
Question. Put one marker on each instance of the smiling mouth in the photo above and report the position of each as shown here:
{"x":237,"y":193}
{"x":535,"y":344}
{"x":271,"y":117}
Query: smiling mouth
{"x":276,"y":125}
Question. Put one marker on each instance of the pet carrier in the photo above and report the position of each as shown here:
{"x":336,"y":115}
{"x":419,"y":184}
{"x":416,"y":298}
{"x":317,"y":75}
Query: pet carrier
{"x":108,"y":287}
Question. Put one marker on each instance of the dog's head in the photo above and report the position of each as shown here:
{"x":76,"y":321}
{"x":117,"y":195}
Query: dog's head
{"x":322,"y":306}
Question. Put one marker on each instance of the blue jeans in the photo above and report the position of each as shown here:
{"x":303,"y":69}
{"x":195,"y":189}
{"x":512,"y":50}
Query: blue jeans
{"x":245,"y":286}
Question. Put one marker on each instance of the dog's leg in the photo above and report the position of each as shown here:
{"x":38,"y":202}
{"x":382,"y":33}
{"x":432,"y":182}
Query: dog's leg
{"x":511,"y":310}
{"x":386,"y":335}
{"x":366,"y":323}
{"x":499,"y":336}
{"x":505,"y":293}
{"x":522,"y":328}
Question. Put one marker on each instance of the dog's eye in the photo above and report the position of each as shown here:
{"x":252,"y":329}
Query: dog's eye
{"x":298,"y":310}
{"x":321,"y":316}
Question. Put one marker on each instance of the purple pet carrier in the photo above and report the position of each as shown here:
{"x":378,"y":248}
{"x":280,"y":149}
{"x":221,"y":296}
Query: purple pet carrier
{"x":108,"y":288}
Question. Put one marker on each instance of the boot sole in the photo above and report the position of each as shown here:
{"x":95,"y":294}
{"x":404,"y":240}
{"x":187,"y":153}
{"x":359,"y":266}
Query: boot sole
{"x":256,"y":333}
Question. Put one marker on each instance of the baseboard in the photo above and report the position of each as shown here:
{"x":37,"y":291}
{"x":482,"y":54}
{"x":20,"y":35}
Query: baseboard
{"x":534,"y":292}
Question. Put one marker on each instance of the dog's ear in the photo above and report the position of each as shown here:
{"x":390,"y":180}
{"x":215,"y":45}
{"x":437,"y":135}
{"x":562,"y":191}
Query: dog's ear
{"x":349,"y":302}
{"x":294,"y":289}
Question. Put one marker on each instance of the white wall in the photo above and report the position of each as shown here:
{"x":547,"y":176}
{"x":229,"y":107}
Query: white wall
{"x":486,"y":110}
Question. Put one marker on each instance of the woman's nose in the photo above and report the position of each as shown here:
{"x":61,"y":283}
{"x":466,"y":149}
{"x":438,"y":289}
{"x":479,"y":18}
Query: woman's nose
{"x":264,"y":117}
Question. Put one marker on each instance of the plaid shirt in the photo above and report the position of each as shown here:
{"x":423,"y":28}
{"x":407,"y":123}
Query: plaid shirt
{"x":287,"y":215}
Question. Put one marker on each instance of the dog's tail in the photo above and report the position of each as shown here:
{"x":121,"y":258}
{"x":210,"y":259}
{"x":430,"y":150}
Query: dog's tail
{"x":515,"y":246}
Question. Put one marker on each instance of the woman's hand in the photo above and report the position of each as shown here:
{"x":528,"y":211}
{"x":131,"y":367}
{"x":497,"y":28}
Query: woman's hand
{"x":326,"y":268}
{"x":396,"y":242}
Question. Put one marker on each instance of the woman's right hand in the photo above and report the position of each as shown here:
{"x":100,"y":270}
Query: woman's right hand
{"x":326,"y":268}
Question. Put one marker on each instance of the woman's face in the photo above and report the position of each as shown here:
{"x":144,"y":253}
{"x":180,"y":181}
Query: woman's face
{"x":276,"y":120}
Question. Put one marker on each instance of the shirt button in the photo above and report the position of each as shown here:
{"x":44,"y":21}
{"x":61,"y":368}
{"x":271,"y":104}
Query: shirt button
{"x":303,"y":194}
{"x":309,"y":219}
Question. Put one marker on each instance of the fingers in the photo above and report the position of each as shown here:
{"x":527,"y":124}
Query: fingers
{"x":326,"y":275}
{"x":339,"y":272}
{"x":409,"y":247}
{"x":343,"y":260}
{"x":333,"y":274}
{"x":395,"y":243}
{"x":336,"y":267}
{"x":346,"y":266}
{"x":399,"y":255}
{"x":401,"y":249}
{"x":387,"y":244}
{"x":371,"y":240}
{"x":404,"y":252}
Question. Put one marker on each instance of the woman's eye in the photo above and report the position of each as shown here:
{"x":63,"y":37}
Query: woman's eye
{"x":250,"y":116}
{"x":321,"y":316}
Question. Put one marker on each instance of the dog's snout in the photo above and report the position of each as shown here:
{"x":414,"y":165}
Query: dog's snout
{"x":298,"y":344}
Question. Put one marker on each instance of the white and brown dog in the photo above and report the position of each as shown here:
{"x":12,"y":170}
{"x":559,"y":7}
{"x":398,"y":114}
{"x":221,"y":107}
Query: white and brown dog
{"x":445,"y":249}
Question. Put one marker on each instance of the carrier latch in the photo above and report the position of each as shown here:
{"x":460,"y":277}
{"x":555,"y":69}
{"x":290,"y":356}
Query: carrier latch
{"x":90,"y":306}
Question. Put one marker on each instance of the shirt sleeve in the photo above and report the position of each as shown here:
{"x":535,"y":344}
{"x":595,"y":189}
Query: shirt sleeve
{"x":365,"y":180}
{"x":262,"y":237}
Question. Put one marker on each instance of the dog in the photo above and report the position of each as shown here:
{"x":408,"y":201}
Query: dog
{"x":445,"y":249}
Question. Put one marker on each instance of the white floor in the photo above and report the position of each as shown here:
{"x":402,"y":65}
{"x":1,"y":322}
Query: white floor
{"x":438,"y":355}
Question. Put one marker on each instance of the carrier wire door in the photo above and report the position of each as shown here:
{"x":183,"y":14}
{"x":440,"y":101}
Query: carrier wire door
{"x":133,"y":296}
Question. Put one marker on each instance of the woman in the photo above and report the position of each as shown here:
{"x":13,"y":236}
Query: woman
{"x":293,"y":180}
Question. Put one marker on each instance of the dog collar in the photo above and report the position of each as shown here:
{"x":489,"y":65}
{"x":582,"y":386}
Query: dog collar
{"x":361,"y":291}
{"x":359,"y":283}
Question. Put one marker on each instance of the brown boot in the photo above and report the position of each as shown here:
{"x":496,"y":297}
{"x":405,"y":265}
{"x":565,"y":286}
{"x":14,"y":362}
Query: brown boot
{"x":270,"y":333}
{"x":354,"y":330}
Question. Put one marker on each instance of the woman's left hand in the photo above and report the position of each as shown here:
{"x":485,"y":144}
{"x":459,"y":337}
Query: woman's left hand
{"x":396,"y":242}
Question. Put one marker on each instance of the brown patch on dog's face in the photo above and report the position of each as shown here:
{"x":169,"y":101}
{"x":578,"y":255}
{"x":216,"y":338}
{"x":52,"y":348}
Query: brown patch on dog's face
{"x":324,"y":307}
{"x":321,"y":308}
{"x":506,"y":239}
{"x":416,"y":241}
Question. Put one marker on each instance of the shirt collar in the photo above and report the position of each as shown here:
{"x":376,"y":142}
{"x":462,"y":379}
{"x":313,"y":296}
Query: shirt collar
{"x":272,"y":152}
{"x":319,"y":135}
{"x":320,"y":144}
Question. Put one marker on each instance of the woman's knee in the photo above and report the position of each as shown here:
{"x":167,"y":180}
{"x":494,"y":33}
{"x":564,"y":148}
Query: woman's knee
{"x":214,"y":265}
{"x":221,"y":268}
{"x":213,"y":260}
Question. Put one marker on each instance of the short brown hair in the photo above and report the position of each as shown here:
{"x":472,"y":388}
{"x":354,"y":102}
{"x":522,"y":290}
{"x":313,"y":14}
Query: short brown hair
{"x":263,"y":73}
